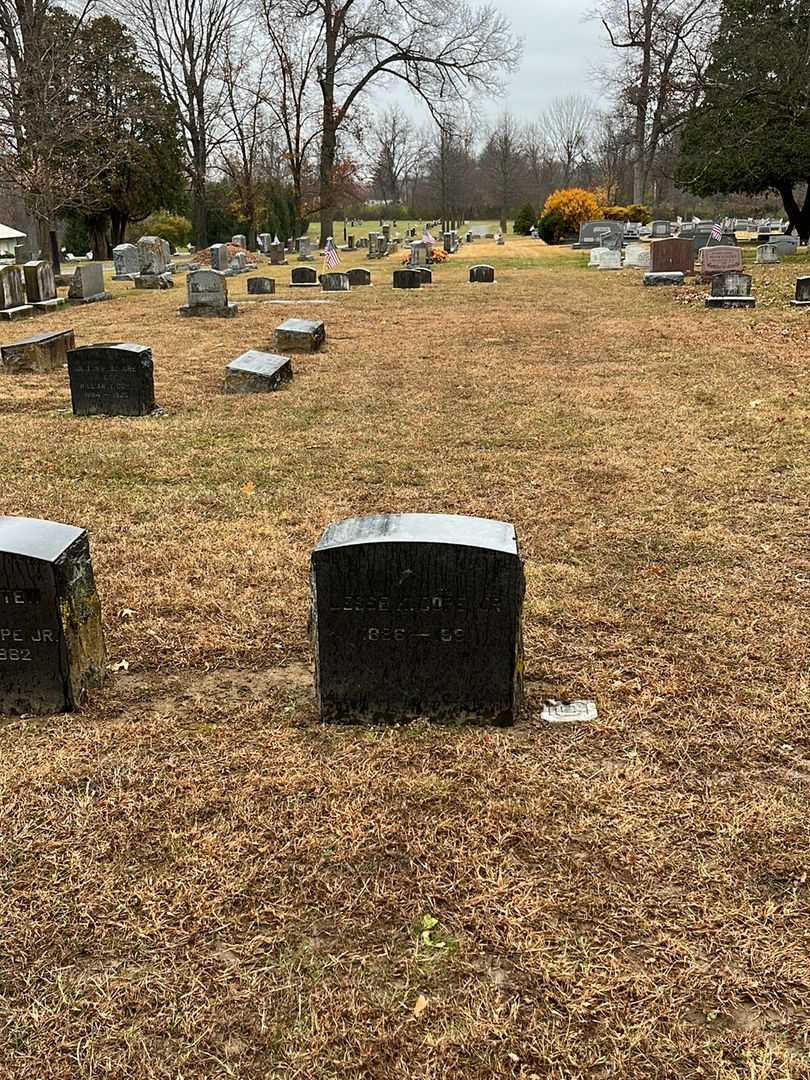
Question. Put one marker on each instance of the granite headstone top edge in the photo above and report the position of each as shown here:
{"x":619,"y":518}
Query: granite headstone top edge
{"x":36,"y":538}
{"x":421,"y":528}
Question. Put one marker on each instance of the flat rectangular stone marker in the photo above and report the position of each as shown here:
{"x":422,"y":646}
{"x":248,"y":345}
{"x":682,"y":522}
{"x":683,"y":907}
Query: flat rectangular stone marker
{"x":569,"y":712}
{"x":299,"y":335}
{"x":257,"y":373}
{"x":37,"y":354}
{"x":51,"y":641}
{"x":111,"y":380}
{"x":418,"y":615}
{"x":673,"y":277}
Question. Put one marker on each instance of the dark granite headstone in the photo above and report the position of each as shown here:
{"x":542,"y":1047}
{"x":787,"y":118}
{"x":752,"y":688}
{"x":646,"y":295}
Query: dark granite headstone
{"x":427,"y":274}
{"x":299,"y":335}
{"x":111,"y":380}
{"x":482,"y":273}
{"x":335,"y":282}
{"x":51,"y":641}
{"x":418,"y":615}
{"x":40,"y":353}
{"x":731,"y":290}
{"x":407,"y":279}
{"x":664,"y":277}
{"x":358,"y":275}
{"x":802,"y":293}
{"x":261,"y":286}
{"x":257,"y":372}
{"x":304,"y":277}
{"x":674,"y":255}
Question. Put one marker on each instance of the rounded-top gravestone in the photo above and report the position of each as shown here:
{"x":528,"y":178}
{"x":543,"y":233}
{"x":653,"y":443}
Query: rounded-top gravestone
{"x":418,"y":615}
{"x":407,"y":279}
{"x":51,"y":641}
{"x":482,"y":273}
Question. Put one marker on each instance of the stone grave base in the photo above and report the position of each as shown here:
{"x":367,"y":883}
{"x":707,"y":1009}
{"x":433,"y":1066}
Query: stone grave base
{"x":210,"y":310}
{"x":41,"y":353}
{"x":12,"y":313}
{"x":124,"y":277}
{"x":674,"y":277}
{"x":800,"y":303}
{"x":44,"y":306}
{"x":97,"y":298}
{"x":731,"y":301}
{"x":305,"y":285}
{"x":152,"y":281}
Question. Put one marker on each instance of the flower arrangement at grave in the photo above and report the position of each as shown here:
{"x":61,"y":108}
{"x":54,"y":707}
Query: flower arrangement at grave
{"x":439,"y":256}
{"x":574,"y":206}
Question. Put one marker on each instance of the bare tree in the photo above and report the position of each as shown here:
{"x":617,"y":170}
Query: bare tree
{"x":503,"y":164}
{"x":397,"y":150}
{"x":665,"y":43}
{"x":292,"y":99}
{"x":539,"y":158}
{"x":611,"y":151}
{"x":567,"y":123}
{"x":441,"y":49}
{"x":185,"y":42}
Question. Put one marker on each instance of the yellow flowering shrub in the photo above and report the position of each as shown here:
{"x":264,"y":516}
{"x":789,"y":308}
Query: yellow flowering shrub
{"x":574,"y":205}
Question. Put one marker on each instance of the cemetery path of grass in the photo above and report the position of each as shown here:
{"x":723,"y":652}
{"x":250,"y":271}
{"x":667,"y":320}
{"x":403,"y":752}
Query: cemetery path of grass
{"x":200,"y":880}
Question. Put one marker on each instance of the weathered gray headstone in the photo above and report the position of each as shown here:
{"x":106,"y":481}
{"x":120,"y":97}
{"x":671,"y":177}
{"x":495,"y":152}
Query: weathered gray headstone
{"x":418,"y":615}
{"x":87,"y":284}
{"x":240,"y":240}
{"x":51,"y":640}
{"x":40,"y":285}
{"x":126,"y":261}
{"x":12,"y":293}
{"x":219,"y":257}
{"x":659,"y":230}
{"x":257,"y":372}
{"x":637,"y":256}
{"x":767,"y":254}
{"x":277,"y":253}
{"x":784,"y":245}
{"x":299,"y":335}
{"x":37,"y":354}
{"x":152,"y":255}
{"x":207,"y":294}
{"x":420,"y":253}
{"x":335,"y":282}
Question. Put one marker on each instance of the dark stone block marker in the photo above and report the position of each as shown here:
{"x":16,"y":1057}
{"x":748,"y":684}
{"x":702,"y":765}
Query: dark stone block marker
{"x":407,"y":279}
{"x":418,"y":615}
{"x":482,"y":273}
{"x":299,"y":335}
{"x":257,"y":373}
{"x":51,"y":642}
{"x":111,"y":380}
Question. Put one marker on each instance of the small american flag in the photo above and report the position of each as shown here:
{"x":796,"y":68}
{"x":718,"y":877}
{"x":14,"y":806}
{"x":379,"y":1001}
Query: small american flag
{"x":426,"y":237}
{"x":717,"y":231}
{"x":331,"y":258}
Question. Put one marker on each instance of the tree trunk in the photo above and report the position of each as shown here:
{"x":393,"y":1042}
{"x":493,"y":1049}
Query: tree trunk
{"x":118,"y":226}
{"x":56,"y":260}
{"x":327,"y":164}
{"x":503,"y":220}
{"x":97,"y":228}
{"x":199,"y":211}
{"x":798,"y":216}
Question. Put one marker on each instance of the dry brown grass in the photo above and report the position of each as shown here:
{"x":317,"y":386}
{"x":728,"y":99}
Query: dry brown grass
{"x":200,"y":881}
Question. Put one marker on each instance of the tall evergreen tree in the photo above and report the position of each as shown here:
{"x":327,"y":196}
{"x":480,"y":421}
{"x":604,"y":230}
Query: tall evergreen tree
{"x":751,"y":131}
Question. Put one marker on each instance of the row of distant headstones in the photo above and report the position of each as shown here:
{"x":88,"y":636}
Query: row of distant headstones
{"x":412,"y":615}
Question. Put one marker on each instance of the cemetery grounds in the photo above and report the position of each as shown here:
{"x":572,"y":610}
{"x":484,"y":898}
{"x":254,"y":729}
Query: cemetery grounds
{"x":199,"y":880}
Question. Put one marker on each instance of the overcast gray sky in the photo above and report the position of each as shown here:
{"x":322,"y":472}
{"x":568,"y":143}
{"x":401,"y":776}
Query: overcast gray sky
{"x":561,"y":51}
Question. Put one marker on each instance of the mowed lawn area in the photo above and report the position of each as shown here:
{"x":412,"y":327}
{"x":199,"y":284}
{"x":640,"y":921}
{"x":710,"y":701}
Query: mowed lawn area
{"x":197,"y":879}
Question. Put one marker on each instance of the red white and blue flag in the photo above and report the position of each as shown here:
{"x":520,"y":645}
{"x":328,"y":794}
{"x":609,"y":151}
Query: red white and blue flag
{"x":331,"y":258}
{"x":717,"y":231}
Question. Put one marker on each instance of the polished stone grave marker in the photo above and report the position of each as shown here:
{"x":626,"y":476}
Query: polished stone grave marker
{"x":304,"y":277}
{"x":261,"y":286}
{"x":482,"y":273}
{"x":407,"y":279}
{"x":335,"y":282}
{"x":722,"y":259}
{"x":299,"y":335}
{"x":427,"y":274}
{"x":358,"y":275}
{"x":802,"y":298}
{"x":111,"y":380}
{"x":674,"y":255}
{"x":51,"y":641}
{"x":418,"y":615}
{"x":731,"y":290}
{"x":257,"y":372}
{"x":37,"y":354}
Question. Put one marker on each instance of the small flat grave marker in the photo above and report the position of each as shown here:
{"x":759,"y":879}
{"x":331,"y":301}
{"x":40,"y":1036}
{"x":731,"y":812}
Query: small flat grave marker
{"x":112,"y":380}
{"x":672,"y":277}
{"x":418,"y":615}
{"x":51,"y":641}
{"x":257,"y":373}
{"x":569,"y":712}
{"x":299,"y":335}
{"x":802,"y":298}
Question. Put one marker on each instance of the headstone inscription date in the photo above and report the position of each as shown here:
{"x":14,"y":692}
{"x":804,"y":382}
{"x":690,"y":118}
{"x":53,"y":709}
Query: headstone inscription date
{"x":51,"y":642}
{"x":418,"y":615}
{"x":112,"y":380}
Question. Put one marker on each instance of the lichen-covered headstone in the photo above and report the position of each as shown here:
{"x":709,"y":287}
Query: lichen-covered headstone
{"x":208,"y":295}
{"x":12,"y":293}
{"x":257,"y":373}
{"x":418,"y":615}
{"x":731,"y":290}
{"x":37,"y":354}
{"x":87,"y":284}
{"x":51,"y":641}
{"x":299,"y":335}
{"x":335,"y":282}
{"x":40,"y":285}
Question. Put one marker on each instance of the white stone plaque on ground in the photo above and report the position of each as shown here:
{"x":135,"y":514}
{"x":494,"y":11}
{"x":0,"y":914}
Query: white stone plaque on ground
{"x":569,"y":712}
